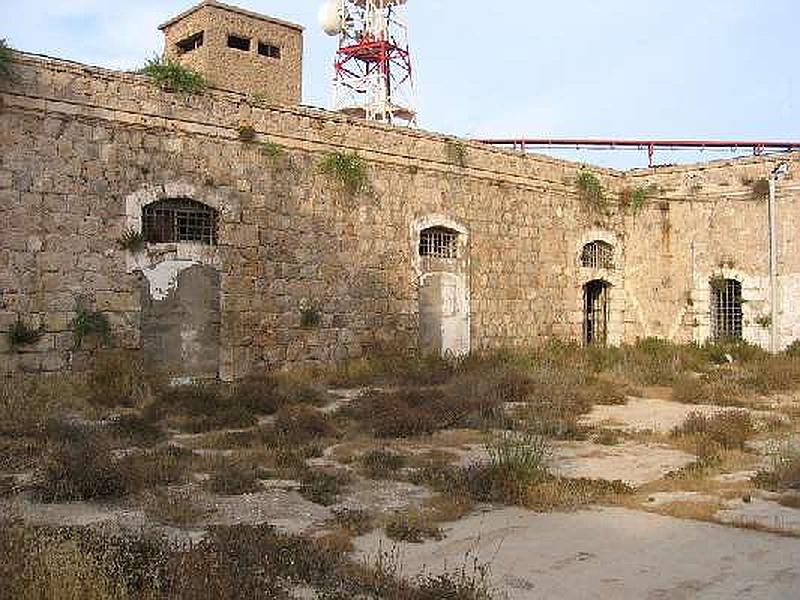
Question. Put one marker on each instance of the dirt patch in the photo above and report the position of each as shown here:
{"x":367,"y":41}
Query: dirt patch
{"x":645,"y":414}
{"x":631,"y":462}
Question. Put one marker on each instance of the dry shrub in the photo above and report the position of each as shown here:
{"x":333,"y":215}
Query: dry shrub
{"x":119,"y":378}
{"x":199,"y":408}
{"x":386,"y":366}
{"x":563,"y":493}
{"x":134,"y":429}
{"x":299,"y":423}
{"x":235,"y":479}
{"x":177,"y":507}
{"x":28,"y":402}
{"x":784,"y":471}
{"x":323,"y":487}
{"x":730,"y":429}
{"x":160,"y":466}
{"x":722,"y":387}
{"x":81,"y":465}
{"x":405,"y":412}
{"x":412,"y":526}
{"x":381,"y":463}
{"x":356,"y":521}
{"x":229,"y":563}
{"x":267,"y":393}
{"x":409,"y":412}
{"x":81,"y":469}
{"x":774,"y":374}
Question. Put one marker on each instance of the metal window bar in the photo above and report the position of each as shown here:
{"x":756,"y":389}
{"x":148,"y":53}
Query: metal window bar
{"x":598,"y":255}
{"x":438,"y":242}
{"x":179,"y":220}
{"x":726,"y":310}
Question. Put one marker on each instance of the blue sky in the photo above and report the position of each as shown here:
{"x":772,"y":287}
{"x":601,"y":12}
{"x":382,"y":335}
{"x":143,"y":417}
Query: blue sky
{"x":521,"y":68}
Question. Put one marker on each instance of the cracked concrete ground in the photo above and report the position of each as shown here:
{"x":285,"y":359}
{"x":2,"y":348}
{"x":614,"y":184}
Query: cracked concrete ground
{"x":608,"y":553}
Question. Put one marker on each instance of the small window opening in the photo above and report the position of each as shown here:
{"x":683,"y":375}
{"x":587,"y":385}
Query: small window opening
{"x":598,"y":255}
{"x":438,"y":242}
{"x":179,"y":220}
{"x":726,"y":309}
{"x":238,"y":43}
{"x":193,"y":42}
{"x":268,"y":50}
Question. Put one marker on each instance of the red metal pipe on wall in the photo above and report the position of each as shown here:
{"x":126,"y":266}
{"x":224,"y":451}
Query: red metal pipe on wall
{"x":650,"y":145}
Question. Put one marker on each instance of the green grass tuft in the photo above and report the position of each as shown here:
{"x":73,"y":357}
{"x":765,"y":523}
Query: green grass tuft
{"x":172,"y":76}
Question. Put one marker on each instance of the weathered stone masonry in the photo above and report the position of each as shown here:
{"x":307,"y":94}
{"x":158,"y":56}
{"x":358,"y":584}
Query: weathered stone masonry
{"x":84,"y":149}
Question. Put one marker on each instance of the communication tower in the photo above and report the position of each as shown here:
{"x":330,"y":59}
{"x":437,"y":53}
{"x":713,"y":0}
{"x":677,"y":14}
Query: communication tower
{"x":373,"y":77}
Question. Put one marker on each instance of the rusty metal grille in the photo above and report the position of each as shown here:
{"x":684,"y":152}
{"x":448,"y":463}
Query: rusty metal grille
{"x":726,"y":309}
{"x":438,"y":242}
{"x":598,"y":255}
{"x":179,"y":220}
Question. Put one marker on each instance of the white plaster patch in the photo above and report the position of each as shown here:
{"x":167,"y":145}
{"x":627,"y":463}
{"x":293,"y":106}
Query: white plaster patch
{"x":163,"y":277}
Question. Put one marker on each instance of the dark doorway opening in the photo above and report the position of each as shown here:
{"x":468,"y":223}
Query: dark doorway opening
{"x":595,"y":313}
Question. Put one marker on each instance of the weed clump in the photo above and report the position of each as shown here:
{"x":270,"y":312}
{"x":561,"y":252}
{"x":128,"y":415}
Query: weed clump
{"x":590,"y":190}
{"x":729,"y":429}
{"x":131,"y":240}
{"x":197,"y":408}
{"x":235,"y":480}
{"x":22,"y":334}
{"x":784,"y":470}
{"x":405,"y":412}
{"x":301,"y":423}
{"x":171,"y":76}
{"x":89,"y":323}
{"x":413,"y":527}
{"x":267,"y":394}
{"x":81,"y":469}
{"x":246,"y":132}
{"x":348,"y":170}
{"x":381,"y":463}
{"x":322,"y":487}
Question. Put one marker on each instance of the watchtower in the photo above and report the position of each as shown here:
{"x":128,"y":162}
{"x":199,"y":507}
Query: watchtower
{"x":239,"y":50}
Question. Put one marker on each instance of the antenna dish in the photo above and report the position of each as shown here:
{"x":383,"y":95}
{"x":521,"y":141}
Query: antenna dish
{"x":330,"y":18}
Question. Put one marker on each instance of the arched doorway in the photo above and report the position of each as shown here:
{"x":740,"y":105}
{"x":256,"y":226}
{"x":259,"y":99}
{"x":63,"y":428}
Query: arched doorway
{"x":595,"y":312}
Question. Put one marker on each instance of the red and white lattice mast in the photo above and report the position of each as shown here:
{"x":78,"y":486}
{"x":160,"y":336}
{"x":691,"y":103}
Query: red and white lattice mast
{"x":373,"y":78}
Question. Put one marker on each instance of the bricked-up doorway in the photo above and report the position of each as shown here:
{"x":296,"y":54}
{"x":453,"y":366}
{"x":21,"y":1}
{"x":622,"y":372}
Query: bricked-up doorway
{"x":595,"y":312}
{"x":181,"y":327}
{"x":442,"y":260}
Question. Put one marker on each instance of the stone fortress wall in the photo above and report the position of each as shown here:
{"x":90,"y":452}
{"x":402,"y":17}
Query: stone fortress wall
{"x":85,"y":150}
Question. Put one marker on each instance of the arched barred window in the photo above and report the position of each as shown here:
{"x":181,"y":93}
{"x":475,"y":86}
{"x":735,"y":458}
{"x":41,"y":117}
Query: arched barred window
{"x":598,"y":255}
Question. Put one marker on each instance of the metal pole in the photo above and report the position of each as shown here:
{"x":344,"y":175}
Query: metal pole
{"x":773,"y":252}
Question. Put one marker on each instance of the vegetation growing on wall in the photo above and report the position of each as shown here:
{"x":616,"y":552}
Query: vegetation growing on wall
{"x":131,"y":240}
{"x":174,"y":77}
{"x":760,"y":189}
{"x":22,"y":334}
{"x":636,"y":198}
{"x":310,"y":317}
{"x":5,"y":60}
{"x":247,"y":132}
{"x":590,"y":190}
{"x":456,"y":153}
{"x":89,"y":323}
{"x":347,"y":169}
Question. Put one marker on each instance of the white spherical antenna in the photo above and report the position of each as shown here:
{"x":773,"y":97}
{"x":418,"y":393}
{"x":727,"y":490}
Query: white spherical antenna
{"x":330,"y":18}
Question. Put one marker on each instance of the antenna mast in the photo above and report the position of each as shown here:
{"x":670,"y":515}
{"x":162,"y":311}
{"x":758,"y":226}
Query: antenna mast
{"x":373,"y":77}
